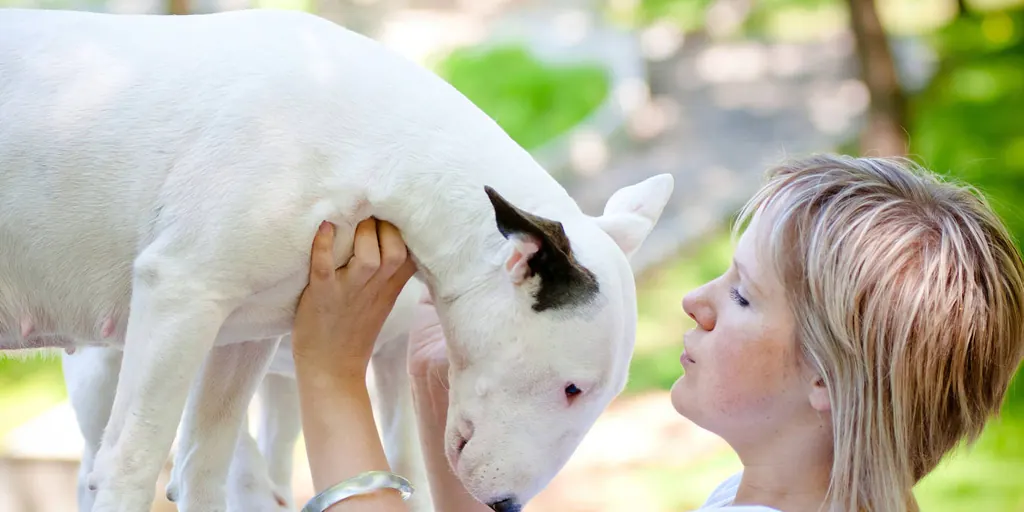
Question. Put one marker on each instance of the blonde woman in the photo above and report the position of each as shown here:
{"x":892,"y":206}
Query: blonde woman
{"x":870,"y":321}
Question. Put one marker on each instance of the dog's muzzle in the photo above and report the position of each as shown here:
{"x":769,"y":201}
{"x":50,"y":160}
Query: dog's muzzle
{"x":506,"y":505}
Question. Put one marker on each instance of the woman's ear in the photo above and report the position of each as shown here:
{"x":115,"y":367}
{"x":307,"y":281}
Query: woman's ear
{"x":819,"y":395}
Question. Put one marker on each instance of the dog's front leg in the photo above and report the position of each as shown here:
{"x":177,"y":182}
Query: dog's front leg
{"x":215,"y":413}
{"x":90,"y":376}
{"x":174,"y":321}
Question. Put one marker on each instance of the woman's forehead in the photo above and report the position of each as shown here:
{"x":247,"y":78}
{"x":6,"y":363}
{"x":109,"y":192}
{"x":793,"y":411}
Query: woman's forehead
{"x":753,"y":257}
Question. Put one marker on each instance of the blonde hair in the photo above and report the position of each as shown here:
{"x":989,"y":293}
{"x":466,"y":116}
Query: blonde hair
{"x":908,"y":294}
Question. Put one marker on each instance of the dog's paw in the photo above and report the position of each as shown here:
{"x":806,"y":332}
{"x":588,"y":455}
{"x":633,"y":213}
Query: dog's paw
{"x":111,"y":500}
{"x":171,"y":492}
{"x":196,"y":495}
{"x":258,"y":495}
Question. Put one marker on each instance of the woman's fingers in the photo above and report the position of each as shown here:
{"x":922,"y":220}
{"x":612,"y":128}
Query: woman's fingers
{"x":379,"y":256}
{"x":321,"y":260}
{"x":393,"y":253}
{"x":396,"y":267}
{"x":366,"y":254}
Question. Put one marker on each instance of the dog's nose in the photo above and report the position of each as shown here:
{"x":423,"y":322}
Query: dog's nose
{"x":506,"y":505}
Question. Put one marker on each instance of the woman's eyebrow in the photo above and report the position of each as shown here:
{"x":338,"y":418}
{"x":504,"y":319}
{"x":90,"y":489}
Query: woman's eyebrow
{"x":746,"y":276}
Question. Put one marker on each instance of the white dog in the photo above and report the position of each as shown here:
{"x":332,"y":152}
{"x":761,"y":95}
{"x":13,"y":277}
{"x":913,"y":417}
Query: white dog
{"x":161,"y":179}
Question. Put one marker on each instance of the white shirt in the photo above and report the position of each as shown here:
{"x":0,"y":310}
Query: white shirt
{"x":723,"y":496}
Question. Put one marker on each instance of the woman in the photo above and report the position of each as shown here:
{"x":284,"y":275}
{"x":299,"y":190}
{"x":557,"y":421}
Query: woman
{"x":870,"y":321}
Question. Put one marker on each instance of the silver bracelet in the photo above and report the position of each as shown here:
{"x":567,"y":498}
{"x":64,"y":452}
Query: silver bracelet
{"x":363,"y":483}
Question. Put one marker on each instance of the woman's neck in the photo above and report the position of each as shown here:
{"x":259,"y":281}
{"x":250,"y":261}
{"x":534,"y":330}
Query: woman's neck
{"x":791,"y":473}
{"x":785,"y":486}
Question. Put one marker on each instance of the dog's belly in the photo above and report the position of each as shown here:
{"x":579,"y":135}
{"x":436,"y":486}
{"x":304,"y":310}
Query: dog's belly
{"x":268,"y":313}
{"x":65,"y":260}
{"x":81,"y":293}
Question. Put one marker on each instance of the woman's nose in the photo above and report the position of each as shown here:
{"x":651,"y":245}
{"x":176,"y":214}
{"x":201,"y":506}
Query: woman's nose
{"x":696,"y":305}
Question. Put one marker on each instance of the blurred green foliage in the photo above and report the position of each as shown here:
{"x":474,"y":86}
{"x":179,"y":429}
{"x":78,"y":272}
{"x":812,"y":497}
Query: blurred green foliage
{"x":662,"y":322}
{"x":29,"y":385}
{"x":969,"y":125}
{"x":533,"y":101}
{"x":686,"y":14}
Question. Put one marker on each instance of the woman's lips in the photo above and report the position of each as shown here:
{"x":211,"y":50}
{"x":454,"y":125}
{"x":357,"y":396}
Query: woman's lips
{"x":685,"y":359}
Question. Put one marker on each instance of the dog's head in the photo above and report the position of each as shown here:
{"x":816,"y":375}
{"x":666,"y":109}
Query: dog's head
{"x":537,"y":355}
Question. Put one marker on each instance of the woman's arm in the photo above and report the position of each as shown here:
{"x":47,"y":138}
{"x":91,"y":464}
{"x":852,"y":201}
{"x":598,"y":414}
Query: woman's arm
{"x":337,"y":321}
{"x":430,"y":396}
{"x":341,"y":439}
{"x":428,"y":370}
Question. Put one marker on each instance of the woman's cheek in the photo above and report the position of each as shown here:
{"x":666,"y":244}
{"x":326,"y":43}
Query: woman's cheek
{"x":742,"y":379}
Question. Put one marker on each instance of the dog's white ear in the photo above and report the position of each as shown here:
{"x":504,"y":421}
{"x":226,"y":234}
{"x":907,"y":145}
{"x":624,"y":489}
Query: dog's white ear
{"x":631,"y":213}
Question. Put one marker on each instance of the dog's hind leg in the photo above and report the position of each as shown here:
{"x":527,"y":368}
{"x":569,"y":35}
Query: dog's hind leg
{"x":279,"y":429}
{"x":263,"y":481}
{"x":175,"y":316}
{"x":90,"y":376}
{"x":214,"y":415}
{"x":249,"y":486}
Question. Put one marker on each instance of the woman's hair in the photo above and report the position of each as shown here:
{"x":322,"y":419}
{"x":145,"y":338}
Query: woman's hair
{"x":908,"y":293}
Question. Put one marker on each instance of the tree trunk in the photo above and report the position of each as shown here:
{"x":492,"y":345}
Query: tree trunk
{"x":884,"y":133}
{"x":177,"y":7}
{"x":962,"y":8}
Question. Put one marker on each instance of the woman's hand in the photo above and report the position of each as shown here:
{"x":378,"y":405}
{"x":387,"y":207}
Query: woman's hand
{"x":427,"y":356}
{"x":428,"y":369}
{"x":337,"y":322}
{"x":341,"y":312}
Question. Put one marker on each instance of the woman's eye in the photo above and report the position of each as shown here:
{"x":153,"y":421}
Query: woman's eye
{"x":737,"y":298}
{"x":571,"y":391}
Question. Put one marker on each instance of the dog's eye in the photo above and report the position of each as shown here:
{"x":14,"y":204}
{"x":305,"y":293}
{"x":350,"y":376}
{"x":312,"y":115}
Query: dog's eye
{"x":571,"y":391}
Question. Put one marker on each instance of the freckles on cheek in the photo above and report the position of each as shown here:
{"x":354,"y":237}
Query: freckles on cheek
{"x":745,"y":379}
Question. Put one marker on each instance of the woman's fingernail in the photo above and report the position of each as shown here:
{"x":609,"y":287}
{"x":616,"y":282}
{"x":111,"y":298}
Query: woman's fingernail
{"x":325,"y":227}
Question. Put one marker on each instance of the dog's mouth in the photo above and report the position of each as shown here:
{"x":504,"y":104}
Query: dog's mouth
{"x":455,"y":449}
{"x":459,"y":441}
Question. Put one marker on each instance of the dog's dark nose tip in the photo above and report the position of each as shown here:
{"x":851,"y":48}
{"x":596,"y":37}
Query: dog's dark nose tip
{"x":506,"y":505}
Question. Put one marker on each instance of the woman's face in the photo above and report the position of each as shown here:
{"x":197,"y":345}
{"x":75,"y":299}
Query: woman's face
{"x":742,"y":374}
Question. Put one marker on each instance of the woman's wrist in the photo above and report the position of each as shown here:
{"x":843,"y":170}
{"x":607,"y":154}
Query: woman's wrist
{"x":341,"y":436}
{"x":321,"y":373}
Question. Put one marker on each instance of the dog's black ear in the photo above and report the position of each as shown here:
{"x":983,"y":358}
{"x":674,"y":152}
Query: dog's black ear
{"x":542,"y":250}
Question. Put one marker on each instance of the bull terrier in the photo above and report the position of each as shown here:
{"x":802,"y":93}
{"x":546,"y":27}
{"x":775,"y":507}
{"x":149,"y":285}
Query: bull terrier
{"x":161,"y":179}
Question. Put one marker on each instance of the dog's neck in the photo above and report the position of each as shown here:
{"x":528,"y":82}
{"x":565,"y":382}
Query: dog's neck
{"x":450,"y":228}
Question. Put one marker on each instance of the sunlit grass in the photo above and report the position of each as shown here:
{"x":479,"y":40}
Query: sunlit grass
{"x":988,"y":477}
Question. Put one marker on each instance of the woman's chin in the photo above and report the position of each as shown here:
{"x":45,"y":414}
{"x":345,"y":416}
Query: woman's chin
{"x":681,"y":396}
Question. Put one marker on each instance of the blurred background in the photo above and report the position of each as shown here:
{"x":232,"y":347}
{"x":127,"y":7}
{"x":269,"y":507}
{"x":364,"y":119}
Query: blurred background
{"x":609,"y":92}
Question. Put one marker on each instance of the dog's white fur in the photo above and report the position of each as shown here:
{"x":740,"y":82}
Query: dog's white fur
{"x":161,"y":179}
{"x":260,"y":475}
